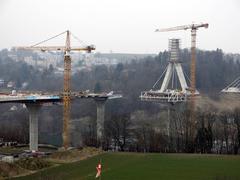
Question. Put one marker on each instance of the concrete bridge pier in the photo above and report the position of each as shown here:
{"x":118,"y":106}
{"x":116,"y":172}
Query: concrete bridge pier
{"x":33,"y":109}
{"x":100,"y":119}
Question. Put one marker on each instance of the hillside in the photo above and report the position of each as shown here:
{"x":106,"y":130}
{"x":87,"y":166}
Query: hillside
{"x":131,"y":166}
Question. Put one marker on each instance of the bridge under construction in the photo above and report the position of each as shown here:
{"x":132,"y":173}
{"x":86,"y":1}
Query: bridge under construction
{"x":177,"y":95}
{"x":34,"y":102}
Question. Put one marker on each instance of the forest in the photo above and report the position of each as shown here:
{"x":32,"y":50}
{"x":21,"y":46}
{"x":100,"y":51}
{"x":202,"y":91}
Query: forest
{"x":131,"y":124}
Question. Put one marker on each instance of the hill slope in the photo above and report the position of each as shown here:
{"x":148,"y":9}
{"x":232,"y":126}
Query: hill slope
{"x":124,"y":166}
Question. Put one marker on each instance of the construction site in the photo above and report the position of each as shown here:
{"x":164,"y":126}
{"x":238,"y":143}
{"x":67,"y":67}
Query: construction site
{"x":119,"y":90}
{"x":173,"y":110}
{"x":35,"y":100}
{"x":175,"y":88}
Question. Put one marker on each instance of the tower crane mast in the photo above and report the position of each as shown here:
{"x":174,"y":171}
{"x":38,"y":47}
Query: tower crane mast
{"x":194,"y":28}
{"x":67,"y":76}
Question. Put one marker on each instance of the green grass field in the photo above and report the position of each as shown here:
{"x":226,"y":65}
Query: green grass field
{"x":137,"y":166}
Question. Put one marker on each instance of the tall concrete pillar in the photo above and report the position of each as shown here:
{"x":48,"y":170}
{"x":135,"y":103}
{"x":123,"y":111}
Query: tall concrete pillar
{"x":100,"y":118}
{"x":33,"y":109}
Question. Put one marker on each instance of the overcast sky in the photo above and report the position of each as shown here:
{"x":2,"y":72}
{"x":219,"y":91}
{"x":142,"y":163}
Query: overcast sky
{"x":121,"y":25}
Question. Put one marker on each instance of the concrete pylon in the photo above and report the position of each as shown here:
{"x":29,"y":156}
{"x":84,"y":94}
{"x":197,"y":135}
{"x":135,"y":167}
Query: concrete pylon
{"x":100,"y":118}
{"x":33,"y":109}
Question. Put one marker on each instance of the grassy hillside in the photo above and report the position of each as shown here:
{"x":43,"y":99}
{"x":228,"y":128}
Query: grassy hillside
{"x":133,"y":166}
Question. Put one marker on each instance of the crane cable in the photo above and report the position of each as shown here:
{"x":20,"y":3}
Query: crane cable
{"x":74,"y":36}
{"x":49,"y":39}
{"x":79,"y":40}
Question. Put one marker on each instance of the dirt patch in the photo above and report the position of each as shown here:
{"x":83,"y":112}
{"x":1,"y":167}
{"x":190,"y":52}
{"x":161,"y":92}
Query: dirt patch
{"x":10,"y":170}
{"x":74,"y":155}
{"x":33,"y":163}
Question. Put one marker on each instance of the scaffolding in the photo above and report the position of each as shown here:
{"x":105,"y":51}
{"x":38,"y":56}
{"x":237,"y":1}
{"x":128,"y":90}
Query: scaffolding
{"x":169,"y":92}
{"x":171,"y":96}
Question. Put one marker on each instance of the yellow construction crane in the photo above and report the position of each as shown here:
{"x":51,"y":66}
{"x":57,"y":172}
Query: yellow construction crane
{"x":194,"y":28}
{"x":67,"y":75}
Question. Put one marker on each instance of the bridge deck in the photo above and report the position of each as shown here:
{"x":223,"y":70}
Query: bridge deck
{"x":46,"y":98}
